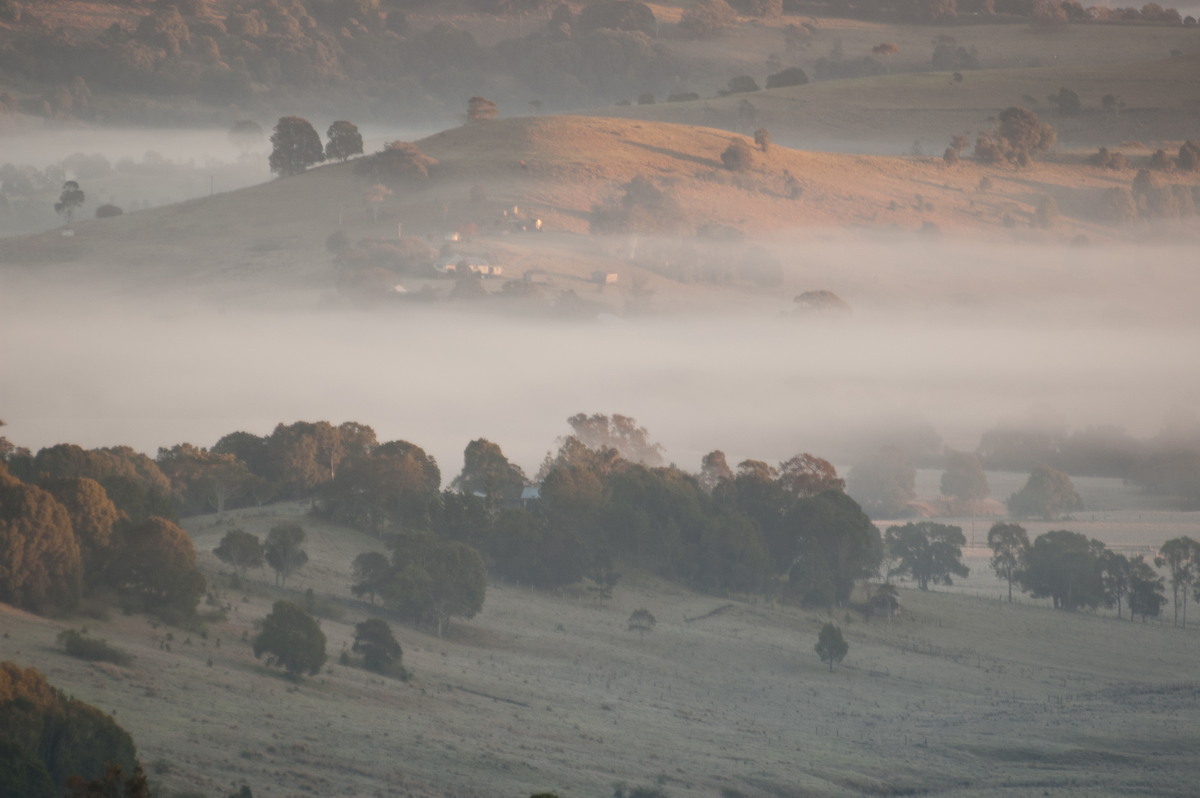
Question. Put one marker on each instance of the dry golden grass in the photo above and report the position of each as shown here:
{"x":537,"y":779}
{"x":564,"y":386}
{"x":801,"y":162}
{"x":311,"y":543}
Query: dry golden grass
{"x":887,"y":113}
{"x":960,"y":695}
{"x":267,"y":242}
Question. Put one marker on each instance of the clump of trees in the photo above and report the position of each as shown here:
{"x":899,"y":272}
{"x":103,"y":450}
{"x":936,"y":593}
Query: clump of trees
{"x":48,"y":739}
{"x":380,"y":651}
{"x":66,"y":539}
{"x":1077,"y":573}
{"x":1018,"y":136}
{"x":428,"y":581}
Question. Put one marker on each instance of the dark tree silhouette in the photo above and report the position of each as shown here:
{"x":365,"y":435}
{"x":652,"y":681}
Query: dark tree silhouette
{"x":240,"y":549}
{"x":69,"y":200}
{"x":1146,"y":590}
{"x":283,"y":551}
{"x":1009,"y":543}
{"x":738,"y":157}
{"x":1181,"y":556}
{"x":374,"y":640}
{"x":927,"y":551}
{"x":291,"y":639}
{"x":1064,"y":566}
{"x":641,"y":621}
{"x":344,"y":141}
{"x":831,"y":647}
{"x":295,"y":146}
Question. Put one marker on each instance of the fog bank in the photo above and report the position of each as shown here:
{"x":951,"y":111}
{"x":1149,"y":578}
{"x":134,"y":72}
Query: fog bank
{"x":756,"y":385}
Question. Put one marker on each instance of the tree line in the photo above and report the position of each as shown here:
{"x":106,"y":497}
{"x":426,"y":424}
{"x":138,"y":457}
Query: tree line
{"x":1077,"y":573}
{"x":101,"y":520}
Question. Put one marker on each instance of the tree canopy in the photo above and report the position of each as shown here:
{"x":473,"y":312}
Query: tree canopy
{"x":1064,"y":566}
{"x":291,"y":639}
{"x":344,"y":141}
{"x":1009,"y":544}
{"x":928,"y":552}
{"x":295,"y":146}
{"x":283,"y":551}
{"x":831,"y":646}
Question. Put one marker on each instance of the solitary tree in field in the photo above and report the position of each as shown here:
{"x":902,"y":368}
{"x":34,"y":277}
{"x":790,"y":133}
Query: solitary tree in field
{"x":762,"y":139}
{"x":738,"y":157}
{"x":282,"y":551}
{"x":295,"y":146}
{"x":291,"y":639}
{"x":69,"y":200}
{"x":344,"y":141}
{"x":929,"y":552}
{"x":641,"y":621}
{"x":1009,"y":543}
{"x":480,"y":109}
{"x":831,"y":647}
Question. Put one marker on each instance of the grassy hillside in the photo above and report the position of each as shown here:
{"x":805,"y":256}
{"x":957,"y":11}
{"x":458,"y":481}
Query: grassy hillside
{"x":958,"y":695}
{"x":888,"y":113}
{"x":271,"y":237}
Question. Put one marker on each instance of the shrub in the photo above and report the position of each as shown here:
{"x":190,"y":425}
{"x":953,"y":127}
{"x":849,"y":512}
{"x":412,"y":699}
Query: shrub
{"x":738,"y":157}
{"x":740,"y":85}
{"x":792,"y":76}
{"x":91,"y":649}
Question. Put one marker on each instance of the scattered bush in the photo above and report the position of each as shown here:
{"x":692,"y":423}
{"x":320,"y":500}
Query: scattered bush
{"x":792,"y":76}
{"x":738,"y":157}
{"x":80,"y":646}
{"x":1109,"y":160}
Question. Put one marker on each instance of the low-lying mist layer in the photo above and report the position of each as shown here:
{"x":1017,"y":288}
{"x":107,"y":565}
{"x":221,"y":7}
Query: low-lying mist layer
{"x":955,"y":337}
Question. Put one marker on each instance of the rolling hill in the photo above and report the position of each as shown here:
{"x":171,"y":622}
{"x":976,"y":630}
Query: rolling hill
{"x":271,"y":238}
